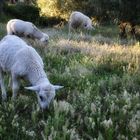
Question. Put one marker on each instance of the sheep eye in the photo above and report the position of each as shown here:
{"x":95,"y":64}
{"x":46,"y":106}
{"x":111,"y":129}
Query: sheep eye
{"x":85,"y":25}
{"x":46,"y":90}
{"x":41,"y":98}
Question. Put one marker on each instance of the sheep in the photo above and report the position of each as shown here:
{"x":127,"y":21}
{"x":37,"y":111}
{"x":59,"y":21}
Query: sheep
{"x":78,"y":19}
{"x":23,"y":28}
{"x":22,"y":61}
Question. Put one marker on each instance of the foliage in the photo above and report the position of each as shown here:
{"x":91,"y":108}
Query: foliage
{"x":22,"y":11}
{"x":1,"y":6}
{"x":129,"y":11}
{"x":28,"y":12}
{"x":55,"y":8}
{"x":112,"y":11}
{"x":49,"y":21}
{"x":102,"y":10}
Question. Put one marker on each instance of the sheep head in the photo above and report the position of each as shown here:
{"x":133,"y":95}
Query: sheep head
{"x":88,"y":25}
{"x":45,"y":93}
{"x":45,"y":38}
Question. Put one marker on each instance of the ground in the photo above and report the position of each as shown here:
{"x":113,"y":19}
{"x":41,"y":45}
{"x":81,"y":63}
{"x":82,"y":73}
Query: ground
{"x":100,"y":99}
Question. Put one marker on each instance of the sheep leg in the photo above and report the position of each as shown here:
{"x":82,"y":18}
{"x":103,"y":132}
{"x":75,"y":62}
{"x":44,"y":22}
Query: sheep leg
{"x":10,"y":82}
{"x":69,"y":32}
{"x":15,"y":85}
{"x":81,"y":33}
{"x":4,"y":95}
{"x":9,"y":32}
{"x":88,"y":32}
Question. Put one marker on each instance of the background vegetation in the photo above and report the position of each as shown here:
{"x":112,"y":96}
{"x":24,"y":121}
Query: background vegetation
{"x":100,"y":74}
{"x":124,"y":13}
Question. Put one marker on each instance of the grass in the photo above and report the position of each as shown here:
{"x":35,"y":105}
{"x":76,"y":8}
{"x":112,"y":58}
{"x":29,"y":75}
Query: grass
{"x":100,"y":99}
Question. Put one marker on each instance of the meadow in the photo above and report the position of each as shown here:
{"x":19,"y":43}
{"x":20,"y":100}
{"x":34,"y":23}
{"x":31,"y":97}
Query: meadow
{"x":101,"y":95}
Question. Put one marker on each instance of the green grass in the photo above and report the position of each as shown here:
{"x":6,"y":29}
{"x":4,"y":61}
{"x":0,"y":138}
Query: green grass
{"x":2,"y":30}
{"x":100,"y":99}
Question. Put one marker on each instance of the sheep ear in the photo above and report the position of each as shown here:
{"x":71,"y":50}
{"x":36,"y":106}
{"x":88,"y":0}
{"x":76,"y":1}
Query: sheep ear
{"x":56,"y":87}
{"x":33,"y":88}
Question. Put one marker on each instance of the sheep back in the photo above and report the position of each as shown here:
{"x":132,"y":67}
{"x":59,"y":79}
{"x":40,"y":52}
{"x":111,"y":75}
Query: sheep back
{"x":16,"y":54}
{"x":78,"y":19}
{"x":20,"y":27}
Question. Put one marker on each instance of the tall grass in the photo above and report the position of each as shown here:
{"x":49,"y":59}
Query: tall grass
{"x":100,"y":99}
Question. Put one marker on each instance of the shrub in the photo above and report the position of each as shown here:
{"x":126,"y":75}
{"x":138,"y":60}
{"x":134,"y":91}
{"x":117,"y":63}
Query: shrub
{"x":49,"y":21}
{"x":60,"y":9}
{"x":22,"y":11}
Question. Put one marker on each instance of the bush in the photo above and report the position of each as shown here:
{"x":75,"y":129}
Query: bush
{"x":60,"y":9}
{"x":22,"y":11}
{"x":49,"y":21}
{"x":30,"y":13}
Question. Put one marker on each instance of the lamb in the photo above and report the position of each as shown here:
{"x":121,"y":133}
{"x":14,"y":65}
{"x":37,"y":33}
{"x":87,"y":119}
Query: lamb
{"x":21,"y":60}
{"x":23,"y":28}
{"x":78,"y":19}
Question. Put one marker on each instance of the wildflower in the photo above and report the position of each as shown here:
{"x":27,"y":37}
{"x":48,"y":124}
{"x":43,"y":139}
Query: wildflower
{"x":52,"y":134}
{"x":42,"y":122}
{"x":133,"y":125}
{"x":93,"y":108}
{"x":137,"y":95}
{"x":112,"y":107}
{"x":30,"y":133}
{"x":126,"y":97}
{"x":93,"y":125}
{"x":74,"y":135}
{"x":125,"y":94}
{"x":15,"y":124}
{"x":107,"y":123}
{"x":11,"y":106}
{"x":123,"y":137}
{"x":14,"y":121}
{"x":134,"y":139}
{"x":43,"y":136}
{"x":63,"y":106}
{"x":23,"y":129}
{"x":134,"y":122}
{"x":100,"y":136}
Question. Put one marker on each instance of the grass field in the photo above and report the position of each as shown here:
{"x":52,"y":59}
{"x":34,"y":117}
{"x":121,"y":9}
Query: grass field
{"x":101,"y":95}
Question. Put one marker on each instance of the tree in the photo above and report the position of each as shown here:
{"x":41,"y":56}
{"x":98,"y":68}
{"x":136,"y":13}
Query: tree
{"x":55,"y":8}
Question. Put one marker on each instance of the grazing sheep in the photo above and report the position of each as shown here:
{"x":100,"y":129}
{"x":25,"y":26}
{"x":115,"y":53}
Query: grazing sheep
{"x":21,"y":60}
{"x":78,"y":19}
{"x":24,"y":28}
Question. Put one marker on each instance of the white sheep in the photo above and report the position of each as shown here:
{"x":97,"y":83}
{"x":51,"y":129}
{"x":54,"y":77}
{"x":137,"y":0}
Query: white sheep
{"x":21,"y":60}
{"x":24,"y":28}
{"x":79,"y":20}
